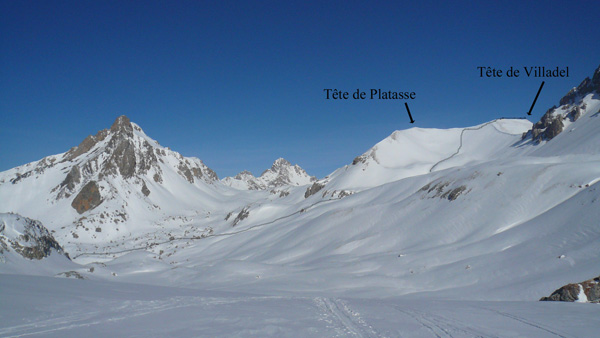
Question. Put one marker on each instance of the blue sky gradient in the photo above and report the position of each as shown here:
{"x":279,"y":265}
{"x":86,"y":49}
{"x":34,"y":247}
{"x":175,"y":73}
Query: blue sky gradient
{"x":239,"y":84}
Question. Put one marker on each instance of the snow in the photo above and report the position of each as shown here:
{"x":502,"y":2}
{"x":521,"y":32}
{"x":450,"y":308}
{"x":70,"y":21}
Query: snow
{"x":280,"y":174}
{"x":447,"y":233}
{"x":418,"y":151}
{"x":73,"y":308}
{"x":581,"y":297}
{"x":582,"y":137}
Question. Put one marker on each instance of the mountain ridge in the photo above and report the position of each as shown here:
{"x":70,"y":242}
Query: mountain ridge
{"x":281,"y":173}
{"x":467,"y":213}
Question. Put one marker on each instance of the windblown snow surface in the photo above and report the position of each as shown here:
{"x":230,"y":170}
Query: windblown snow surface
{"x":442,"y":233}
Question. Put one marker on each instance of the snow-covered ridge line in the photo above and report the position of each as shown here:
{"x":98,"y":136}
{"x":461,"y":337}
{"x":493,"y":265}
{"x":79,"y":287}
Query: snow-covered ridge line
{"x":282,"y":173}
{"x":461,"y":139}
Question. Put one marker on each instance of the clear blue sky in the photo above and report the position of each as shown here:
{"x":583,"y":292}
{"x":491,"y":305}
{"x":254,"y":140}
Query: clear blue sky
{"x":239,"y":84}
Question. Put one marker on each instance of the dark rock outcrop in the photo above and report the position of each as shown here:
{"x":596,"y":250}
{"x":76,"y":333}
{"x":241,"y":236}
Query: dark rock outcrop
{"x":88,"y":198}
{"x":574,"y":114}
{"x":122,"y":125}
{"x":241,"y":216}
{"x":547,"y":127}
{"x":555,"y":128}
{"x":359,"y":159}
{"x":71,"y":274}
{"x":313,"y":189}
{"x":570,"y":292}
{"x":67,"y":186}
{"x":85,"y":145}
{"x":443,"y":190}
{"x":34,"y":241}
{"x":551,"y":124}
{"x":145,"y":189}
{"x":585,"y":87}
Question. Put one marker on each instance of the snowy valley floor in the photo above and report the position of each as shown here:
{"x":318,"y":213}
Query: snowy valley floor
{"x":57,"y":307}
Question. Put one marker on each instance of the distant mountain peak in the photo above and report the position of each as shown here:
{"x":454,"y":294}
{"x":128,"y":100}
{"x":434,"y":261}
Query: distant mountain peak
{"x":281,"y":173}
{"x":280,"y":162}
{"x":570,"y":110}
{"x":94,"y":171}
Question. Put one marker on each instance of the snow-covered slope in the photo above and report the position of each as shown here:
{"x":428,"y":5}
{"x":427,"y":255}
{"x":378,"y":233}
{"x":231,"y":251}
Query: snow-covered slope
{"x":281,"y":173}
{"x":52,"y":307}
{"x":418,"y":151}
{"x":465,"y":215}
{"x":116,"y":186}
{"x":27,"y":247}
{"x":577,"y":137}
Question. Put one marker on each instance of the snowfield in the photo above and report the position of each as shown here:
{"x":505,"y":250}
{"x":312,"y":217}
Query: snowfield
{"x":430,"y":233}
{"x":71,"y":308}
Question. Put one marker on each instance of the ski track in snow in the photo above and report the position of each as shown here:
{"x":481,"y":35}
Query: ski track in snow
{"x":461,"y":140}
{"x":527,"y":322}
{"x":207,"y":236}
{"x":442,"y":327}
{"x":344,"y":320}
{"x":119,"y":312}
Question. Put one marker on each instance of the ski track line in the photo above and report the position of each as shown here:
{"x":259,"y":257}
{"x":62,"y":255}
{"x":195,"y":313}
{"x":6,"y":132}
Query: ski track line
{"x":207,"y":236}
{"x":348,"y":321}
{"x":525,"y":321}
{"x":128,"y":310}
{"x":461,"y":139}
{"x":437,"y":331}
{"x":442,"y":327}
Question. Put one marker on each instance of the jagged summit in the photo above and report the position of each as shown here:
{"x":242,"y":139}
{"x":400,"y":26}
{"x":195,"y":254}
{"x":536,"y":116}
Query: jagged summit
{"x":585,"y":87}
{"x":572,"y":106}
{"x":122,"y":124}
{"x":111,"y":165}
{"x":125,"y":151}
{"x":281,"y":173}
{"x":279,"y":164}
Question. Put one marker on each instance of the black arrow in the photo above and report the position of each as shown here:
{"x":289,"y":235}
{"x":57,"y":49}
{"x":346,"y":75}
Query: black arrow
{"x":408,"y":111}
{"x":536,"y":96}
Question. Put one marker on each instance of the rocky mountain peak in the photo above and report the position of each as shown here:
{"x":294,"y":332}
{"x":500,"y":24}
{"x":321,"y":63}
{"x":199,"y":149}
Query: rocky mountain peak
{"x":281,"y":173}
{"x":585,"y":87}
{"x":243,"y":174}
{"x":123,"y":158}
{"x":570,"y":110}
{"x":280,"y":163}
{"x":122,"y":125}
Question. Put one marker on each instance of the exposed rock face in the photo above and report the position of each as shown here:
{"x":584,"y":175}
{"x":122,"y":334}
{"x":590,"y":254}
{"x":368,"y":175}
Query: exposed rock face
{"x":547,"y":127}
{"x":555,"y":128}
{"x":88,"y":198}
{"x":122,"y":159}
{"x":575,"y":114}
{"x":241,"y":216}
{"x":313,"y":189}
{"x":71,"y":274}
{"x":360,"y":159}
{"x":67,"y":187}
{"x":551,"y":124}
{"x":27,"y":237}
{"x":85,"y":145}
{"x":145,"y":189}
{"x":122,"y":125}
{"x":585,"y":87}
{"x":454,"y":193}
{"x":571,"y":292}
{"x":443,"y":190}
